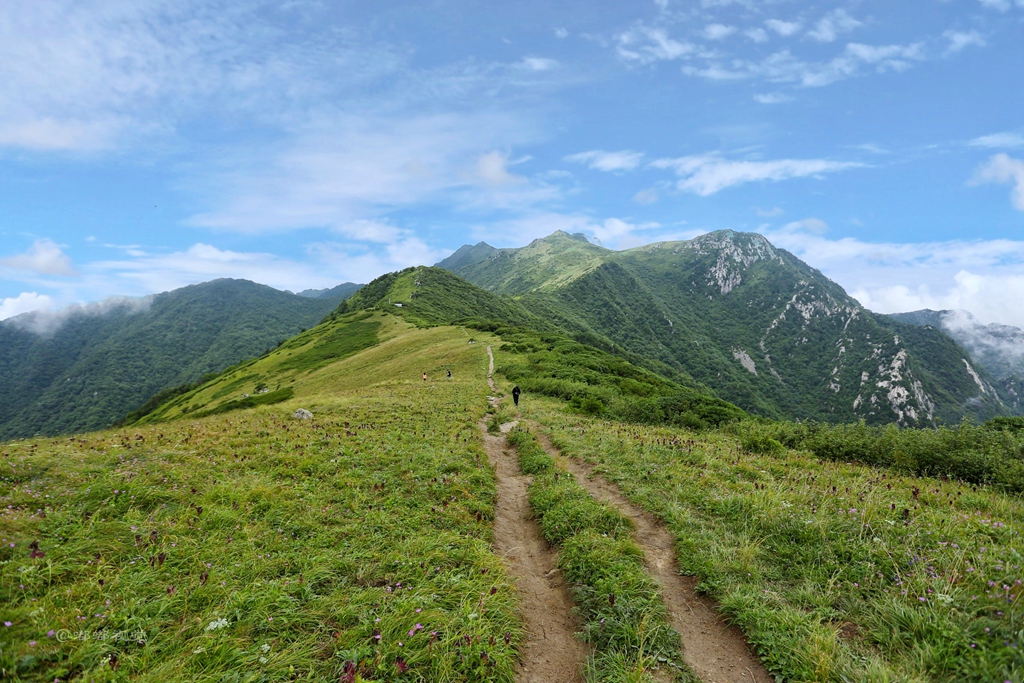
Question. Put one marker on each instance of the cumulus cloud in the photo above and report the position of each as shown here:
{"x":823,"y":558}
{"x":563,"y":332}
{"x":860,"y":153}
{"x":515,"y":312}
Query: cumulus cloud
{"x":23,"y":303}
{"x":783,"y":28}
{"x":493,"y":170}
{"x":758,"y":35}
{"x":958,"y":40}
{"x":833,"y":24}
{"x":985,"y":277}
{"x":1003,"y":168}
{"x":705,"y":175}
{"x":718,"y":31}
{"x":44,"y":257}
{"x":600,"y":160}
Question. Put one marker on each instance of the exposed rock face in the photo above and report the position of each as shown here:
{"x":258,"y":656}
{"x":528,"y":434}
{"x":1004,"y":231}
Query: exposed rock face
{"x":302,"y":414}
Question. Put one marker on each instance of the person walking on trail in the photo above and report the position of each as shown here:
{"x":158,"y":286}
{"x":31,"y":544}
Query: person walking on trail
{"x":515,"y":394}
{"x":424,"y":377}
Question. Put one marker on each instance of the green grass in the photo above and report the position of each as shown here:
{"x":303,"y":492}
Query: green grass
{"x":248,"y":546}
{"x":834,"y":571}
{"x":623,"y":616}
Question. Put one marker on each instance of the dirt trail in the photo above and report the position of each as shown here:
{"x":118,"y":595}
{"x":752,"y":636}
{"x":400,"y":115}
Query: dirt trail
{"x":551,"y":653}
{"x":716,"y":651}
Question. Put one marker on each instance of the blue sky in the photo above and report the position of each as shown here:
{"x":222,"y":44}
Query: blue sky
{"x":149,"y":145}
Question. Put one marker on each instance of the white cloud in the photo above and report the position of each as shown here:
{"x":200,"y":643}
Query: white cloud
{"x":600,"y":160}
{"x":646,"y":197}
{"x":758,"y":35}
{"x":772,"y":98}
{"x":1001,"y":5}
{"x":1004,"y":169}
{"x":344,"y":167}
{"x":958,"y":40}
{"x":783,"y":28}
{"x":327,"y":263}
{"x":769,"y":213}
{"x":44,"y":257}
{"x":46,"y":321}
{"x":705,"y":175}
{"x":86,"y":75}
{"x":999,"y":141}
{"x":23,"y":303}
{"x":561,"y":33}
{"x":539,"y":63}
{"x":813,"y":225}
{"x":493,"y":170}
{"x":985,"y":277}
{"x":718,"y":31}
{"x":783,"y":67}
{"x":833,"y":24}
{"x":644,"y":45}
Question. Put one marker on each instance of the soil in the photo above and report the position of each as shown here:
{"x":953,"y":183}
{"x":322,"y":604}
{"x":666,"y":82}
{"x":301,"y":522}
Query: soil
{"x":716,"y":651}
{"x":551,"y":653}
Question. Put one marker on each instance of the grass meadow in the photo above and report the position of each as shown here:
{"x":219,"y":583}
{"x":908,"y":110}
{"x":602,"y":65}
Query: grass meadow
{"x":250,"y":546}
{"x":835,"y":571}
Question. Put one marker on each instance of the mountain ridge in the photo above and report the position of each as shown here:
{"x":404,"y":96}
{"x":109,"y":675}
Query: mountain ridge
{"x":750,"y":320}
{"x":101,"y":362}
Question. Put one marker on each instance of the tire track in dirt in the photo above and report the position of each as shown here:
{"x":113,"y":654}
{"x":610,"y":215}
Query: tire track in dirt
{"x":714,"y":650}
{"x":551,"y":653}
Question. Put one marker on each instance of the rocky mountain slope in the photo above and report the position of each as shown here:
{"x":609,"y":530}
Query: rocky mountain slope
{"x":762,"y":328}
{"x":88,"y":367}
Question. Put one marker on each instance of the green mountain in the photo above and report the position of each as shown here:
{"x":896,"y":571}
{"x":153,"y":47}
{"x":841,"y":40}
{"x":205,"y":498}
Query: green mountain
{"x":92,"y":365}
{"x":762,"y":328}
{"x":548,"y":362}
{"x":338,"y":293}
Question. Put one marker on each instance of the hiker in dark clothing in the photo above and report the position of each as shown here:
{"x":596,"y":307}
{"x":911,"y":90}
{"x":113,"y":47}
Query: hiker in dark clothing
{"x":515,"y":394}
{"x":449,"y":374}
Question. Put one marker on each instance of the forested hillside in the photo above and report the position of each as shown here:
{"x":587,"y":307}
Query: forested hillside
{"x":91,"y":368}
{"x":754,"y":323}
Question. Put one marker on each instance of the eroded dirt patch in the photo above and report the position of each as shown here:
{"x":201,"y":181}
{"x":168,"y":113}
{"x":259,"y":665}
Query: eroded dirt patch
{"x":551,"y":652}
{"x":714,"y":650}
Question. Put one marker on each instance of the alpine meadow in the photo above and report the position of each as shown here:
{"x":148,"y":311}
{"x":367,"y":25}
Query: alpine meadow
{"x":216,"y":535}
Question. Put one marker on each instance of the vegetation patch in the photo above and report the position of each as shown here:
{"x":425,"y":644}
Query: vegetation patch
{"x":624,"y":617}
{"x":834,"y":571}
{"x":250,"y":546}
{"x":598,"y":383}
{"x":990,"y":454}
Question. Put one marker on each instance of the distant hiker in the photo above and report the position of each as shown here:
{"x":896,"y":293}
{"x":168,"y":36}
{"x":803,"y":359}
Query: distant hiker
{"x":515,"y":394}
{"x":424,"y":377}
{"x":449,"y":373}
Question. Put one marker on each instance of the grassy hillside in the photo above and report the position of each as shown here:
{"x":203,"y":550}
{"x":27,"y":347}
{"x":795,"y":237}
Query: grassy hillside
{"x":95,"y":367}
{"x":254,"y":546}
{"x":835,"y":572}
